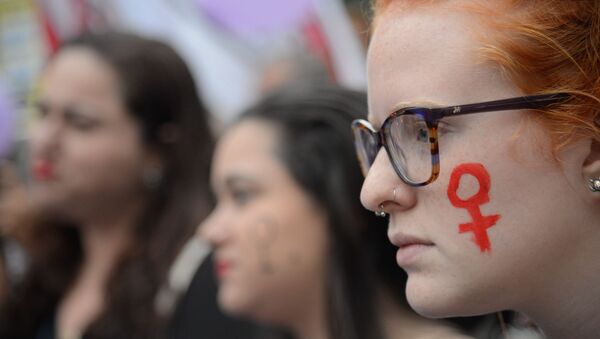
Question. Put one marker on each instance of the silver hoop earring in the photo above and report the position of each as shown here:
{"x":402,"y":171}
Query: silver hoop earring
{"x":595,"y":185}
{"x":380,"y":213}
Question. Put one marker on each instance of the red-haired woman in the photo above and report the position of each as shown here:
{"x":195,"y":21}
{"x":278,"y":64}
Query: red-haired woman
{"x":483,"y":147}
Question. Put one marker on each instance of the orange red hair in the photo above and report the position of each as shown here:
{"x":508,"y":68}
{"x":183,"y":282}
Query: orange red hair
{"x":544,"y":46}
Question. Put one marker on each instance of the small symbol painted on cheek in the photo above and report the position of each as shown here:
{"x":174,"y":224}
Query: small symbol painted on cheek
{"x":265,"y":232}
{"x":480,"y":223}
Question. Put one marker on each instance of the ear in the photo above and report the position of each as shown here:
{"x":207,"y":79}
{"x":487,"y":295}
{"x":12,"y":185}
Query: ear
{"x":153,"y":169}
{"x":591,"y":168}
{"x":153,"y":158}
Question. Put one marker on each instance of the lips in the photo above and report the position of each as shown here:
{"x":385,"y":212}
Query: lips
{"x":403,"y":240}
{"x":222,"y":268}
{"x":43,"y":170}
{"x":410,"y":248}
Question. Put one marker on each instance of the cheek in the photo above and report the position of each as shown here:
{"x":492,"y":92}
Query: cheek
{"x":479,"y":185}
{"x":36,"y":139}
{"x":102,"y":162}
{"x":260,"y":275}
{"x":281,"y":259}
{"x":523,"y":241}
{"x":284,"y":251}
{"x":474,"y":196}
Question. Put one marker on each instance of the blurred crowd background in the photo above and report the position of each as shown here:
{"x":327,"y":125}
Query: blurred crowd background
{"x":236,"y":49}
{"x":154,"y":272}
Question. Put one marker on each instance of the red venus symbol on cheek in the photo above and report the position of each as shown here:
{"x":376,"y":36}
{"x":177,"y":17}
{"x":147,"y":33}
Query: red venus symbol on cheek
{"x":480,"y":223}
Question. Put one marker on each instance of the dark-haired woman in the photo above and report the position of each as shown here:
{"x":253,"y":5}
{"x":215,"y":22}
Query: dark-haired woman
{"x":119,"y":158}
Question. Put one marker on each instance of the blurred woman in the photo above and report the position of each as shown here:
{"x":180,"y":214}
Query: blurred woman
{"x":119,"y":160}
{"x":293,"y":247}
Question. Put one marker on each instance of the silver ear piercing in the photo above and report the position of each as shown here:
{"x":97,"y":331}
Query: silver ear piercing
{"x":595,"y":184}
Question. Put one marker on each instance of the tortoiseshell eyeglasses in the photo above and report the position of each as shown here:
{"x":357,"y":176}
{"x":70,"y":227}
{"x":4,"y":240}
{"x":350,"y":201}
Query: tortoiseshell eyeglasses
{"x":410,"y":135}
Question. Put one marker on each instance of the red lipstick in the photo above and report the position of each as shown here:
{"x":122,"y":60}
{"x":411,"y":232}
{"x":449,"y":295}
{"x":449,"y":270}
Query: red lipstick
{"x":43,"y":170}
{"x":221,"y":268}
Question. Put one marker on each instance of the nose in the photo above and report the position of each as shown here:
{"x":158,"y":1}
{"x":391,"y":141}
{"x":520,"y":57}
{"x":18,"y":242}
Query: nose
{"x":45,"y":136}
{"x":384,"y":188}
{"x":214,"y":229}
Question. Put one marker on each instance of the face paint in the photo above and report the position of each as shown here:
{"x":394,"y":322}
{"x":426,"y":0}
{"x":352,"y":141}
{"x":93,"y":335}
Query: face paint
{"x":264,"y":234}
{"x":480,"y":223}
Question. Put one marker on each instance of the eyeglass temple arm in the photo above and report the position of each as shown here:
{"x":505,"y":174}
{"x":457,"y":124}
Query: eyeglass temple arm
{"x":530,"y":101}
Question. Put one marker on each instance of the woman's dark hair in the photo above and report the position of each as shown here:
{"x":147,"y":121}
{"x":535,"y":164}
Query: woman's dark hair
{"x":159,"y":92}
{"x":316,"y":145}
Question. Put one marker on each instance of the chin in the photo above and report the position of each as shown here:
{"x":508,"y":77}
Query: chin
{"x":45,"y":202}
{"x":230,"y":302}
{"x":240,"y":303}
{"x":439,"y":300}
{"x":44,"y":196}
{"x":250,"y":307}
{"x":427,"y":307}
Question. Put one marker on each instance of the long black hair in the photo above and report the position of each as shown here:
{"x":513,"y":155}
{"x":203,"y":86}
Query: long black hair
{"x":159,"y":92}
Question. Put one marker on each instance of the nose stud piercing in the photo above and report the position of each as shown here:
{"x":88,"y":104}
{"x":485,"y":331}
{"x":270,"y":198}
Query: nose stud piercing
{"x":380,"y":213}
{"x":595,"y":184}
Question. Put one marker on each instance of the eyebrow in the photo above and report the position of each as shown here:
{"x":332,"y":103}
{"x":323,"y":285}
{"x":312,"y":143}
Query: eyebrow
{"x":233,"y":179}
{"x":71,"y":109}
{"x":402,"y":105}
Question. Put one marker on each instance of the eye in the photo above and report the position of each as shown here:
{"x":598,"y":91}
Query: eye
{"x":80,"y":121}
{"x":242,"y":196}
{"x":421,"y":133}
{"x":417,"y":129}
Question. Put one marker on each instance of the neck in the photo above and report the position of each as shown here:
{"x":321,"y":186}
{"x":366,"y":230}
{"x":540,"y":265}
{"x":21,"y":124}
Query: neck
{"x":310,"y":321}
{"x":312,"y":327}
{"x":563,"y":300}
{"x":106,"y":238}
{"x":103,"y":245}
{"x":104,"y":241}
{"x":400,"y":321}
{"x":571,"y":309}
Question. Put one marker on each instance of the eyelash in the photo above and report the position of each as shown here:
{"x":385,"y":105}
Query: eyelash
{"x":242,"y":196}
{"x":82,"y":124}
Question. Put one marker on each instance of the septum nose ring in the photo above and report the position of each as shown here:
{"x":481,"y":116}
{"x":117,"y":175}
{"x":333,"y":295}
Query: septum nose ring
{"x":380,"y":213}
